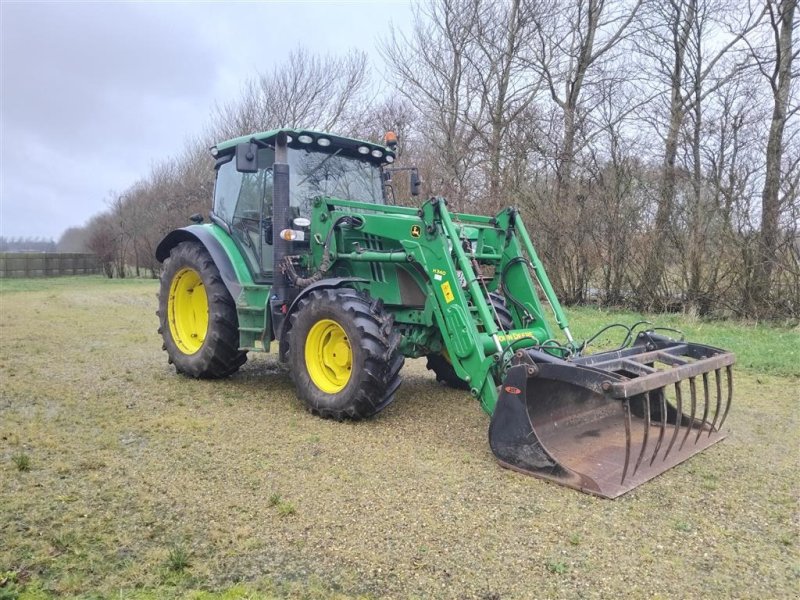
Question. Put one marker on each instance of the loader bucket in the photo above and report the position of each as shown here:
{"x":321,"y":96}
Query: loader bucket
{"x":606,"y":423}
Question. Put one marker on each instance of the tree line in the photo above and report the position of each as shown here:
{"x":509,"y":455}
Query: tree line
{"x":653,"y":146}
{"x":27,"y":244}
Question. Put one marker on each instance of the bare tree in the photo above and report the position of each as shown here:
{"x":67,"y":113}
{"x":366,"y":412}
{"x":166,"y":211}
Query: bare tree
{"x":308,"y":91}
{"x":571,"y":40}
{"x":431,"y":70}
{"x":574,"y":47}
{"x":555,"y":106}
{"x":502,"y":88}
{"x":692,"y":65}
{"x":74,"y":239}
{"x":777,"y":70}
{"x":104,"y":242}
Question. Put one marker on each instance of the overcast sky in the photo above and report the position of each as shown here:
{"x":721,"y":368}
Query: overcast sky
{"x":94,"y":92}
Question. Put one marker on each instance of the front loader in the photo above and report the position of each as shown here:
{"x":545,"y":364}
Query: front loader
{"x":306,"y":256}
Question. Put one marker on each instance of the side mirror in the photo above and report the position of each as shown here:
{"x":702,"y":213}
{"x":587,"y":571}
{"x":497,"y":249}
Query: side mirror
{"x":247,"y":157}
{"x":415,"y":183}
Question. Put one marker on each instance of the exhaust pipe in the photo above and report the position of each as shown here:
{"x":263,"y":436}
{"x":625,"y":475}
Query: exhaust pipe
{"x":280,"y":217}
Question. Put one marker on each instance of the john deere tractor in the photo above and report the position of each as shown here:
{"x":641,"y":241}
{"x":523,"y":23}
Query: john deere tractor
{"x":307,"y":255}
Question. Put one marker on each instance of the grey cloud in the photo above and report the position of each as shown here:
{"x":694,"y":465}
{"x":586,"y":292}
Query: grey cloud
{"x":73,"y":67}
{"x":98,"y":89}
{"x":94,"y":93}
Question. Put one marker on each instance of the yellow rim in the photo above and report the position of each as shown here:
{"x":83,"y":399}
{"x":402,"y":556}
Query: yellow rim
{"x":188,"y":311}
{"x":329,"y":357}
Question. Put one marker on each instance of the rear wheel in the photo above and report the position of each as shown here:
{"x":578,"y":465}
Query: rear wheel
{"x":442,"y":366}
{"x":197,"y":315}
{"x":343,"y":354}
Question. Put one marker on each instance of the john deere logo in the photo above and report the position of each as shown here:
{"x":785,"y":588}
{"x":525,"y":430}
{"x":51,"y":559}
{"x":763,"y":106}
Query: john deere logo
{"x":416,"y":230}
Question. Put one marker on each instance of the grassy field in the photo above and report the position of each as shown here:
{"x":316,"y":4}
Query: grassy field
{"x":119,"y":479}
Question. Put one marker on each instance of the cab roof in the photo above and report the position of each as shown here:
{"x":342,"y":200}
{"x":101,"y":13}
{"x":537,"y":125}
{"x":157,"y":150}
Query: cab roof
{"x":310,"y":140}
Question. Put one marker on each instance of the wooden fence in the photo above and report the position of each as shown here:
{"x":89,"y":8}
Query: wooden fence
{"x":47,"y":264}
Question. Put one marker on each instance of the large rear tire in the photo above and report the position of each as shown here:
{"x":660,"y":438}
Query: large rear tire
{"x":441,"y":364}
{"x":197,"y":315}
{"x":344,"y":354}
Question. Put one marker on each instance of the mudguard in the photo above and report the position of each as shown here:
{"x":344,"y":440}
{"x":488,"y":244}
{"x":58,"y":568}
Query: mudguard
{"x":333,"y":282}
{"x":204,"y":235}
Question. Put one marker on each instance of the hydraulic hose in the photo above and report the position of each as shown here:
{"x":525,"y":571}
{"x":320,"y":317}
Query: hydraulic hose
{"x":286,"y":265}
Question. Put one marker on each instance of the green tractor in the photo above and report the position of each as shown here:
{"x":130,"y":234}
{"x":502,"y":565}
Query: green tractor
{"x":307,"y":255}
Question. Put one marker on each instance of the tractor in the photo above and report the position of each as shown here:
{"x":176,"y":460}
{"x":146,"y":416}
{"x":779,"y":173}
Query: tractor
{"x":308,"y":255}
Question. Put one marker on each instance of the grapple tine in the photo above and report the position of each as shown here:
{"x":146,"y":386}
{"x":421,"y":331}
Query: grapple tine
{"x":627,"y":409}
{"x":678,"y":417}
{"x":578,"y":422}
{"x":693,"y":404}
{"x":663,"y":393}
{"x":729,"y":373}
{"x":705,"y":408}
{"x":646,"y":400}
{"x":718,"y":382}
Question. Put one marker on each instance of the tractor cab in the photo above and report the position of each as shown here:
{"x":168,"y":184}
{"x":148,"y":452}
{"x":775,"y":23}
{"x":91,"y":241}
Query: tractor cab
{"x":319,"y":165}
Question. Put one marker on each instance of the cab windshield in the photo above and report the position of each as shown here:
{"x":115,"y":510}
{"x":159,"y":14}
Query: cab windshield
{"x":330,"y":174}
{"x":244,"y":200}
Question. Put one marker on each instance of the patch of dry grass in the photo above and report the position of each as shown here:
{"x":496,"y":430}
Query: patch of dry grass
{"x":143,"y":484}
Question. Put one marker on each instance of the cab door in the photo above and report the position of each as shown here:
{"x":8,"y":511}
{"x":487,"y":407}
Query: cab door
{"x":244,"y":202}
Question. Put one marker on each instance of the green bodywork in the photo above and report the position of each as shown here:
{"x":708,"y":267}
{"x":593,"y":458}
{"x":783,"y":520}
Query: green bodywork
{"x":420,"y":262}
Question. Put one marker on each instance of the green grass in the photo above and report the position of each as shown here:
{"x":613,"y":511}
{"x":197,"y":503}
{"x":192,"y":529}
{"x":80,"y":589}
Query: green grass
{"x":286,"y":509}
{"x":759,"y":348}
{"x":22,"y":461}
{"x":178,"y":558}
{"x":682,"y":526}
{"x":557,"y":567}
{"x":69,"y":282}
{"x":283,"y":508}
{"x":149,"y":486}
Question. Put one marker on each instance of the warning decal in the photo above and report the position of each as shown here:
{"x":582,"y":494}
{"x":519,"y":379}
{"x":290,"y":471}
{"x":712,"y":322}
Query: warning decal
{"x":448,"y":293}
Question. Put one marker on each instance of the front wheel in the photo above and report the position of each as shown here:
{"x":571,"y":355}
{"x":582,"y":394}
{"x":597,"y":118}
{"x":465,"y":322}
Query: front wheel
{"x":197,"y":316}
{"x":344,"y":354}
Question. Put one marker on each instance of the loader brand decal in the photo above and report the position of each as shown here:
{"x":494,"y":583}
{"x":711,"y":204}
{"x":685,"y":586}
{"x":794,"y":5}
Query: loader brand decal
{"x":416,"y":231}
{"x":448,"y":292}
{"x":438,"y":274}
{"x":513,"y":390}
{"x":512,"y":337}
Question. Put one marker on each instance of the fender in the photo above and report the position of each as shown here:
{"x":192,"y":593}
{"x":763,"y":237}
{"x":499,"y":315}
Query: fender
{"x":334,"y":282}
{"x":205,"y":236}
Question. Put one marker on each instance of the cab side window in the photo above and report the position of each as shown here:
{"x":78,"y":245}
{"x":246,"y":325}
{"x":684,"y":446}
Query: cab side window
{"x":244,"y":202}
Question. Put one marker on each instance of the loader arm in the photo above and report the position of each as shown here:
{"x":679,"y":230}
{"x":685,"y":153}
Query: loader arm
{"x":582,"y":421}
{"x":433,"y":242}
